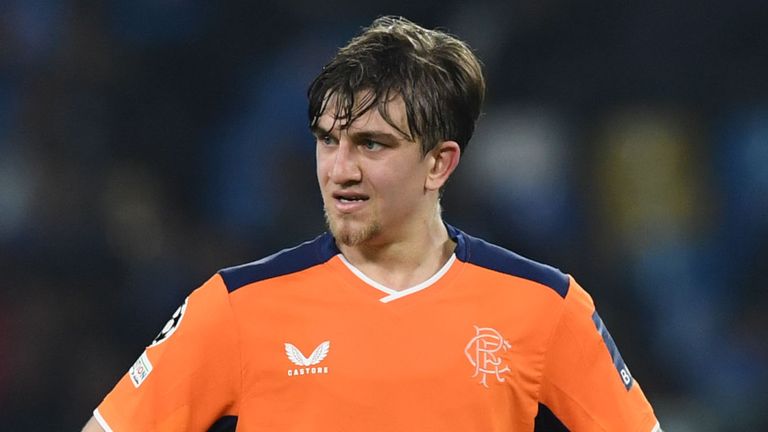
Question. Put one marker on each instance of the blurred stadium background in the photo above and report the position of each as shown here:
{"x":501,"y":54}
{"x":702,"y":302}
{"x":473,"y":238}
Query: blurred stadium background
{"x":145,"y":144}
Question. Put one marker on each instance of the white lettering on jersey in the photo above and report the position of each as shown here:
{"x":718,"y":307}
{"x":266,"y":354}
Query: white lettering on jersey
{"x":140,"y":370}
{"x":484,"y":353}
{"x":297,"y":357}
{"x":308,"y":371}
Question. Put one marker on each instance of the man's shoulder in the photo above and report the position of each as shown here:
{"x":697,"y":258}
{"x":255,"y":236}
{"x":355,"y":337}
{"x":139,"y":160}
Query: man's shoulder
{"x":484,"y":254}
{"x":301,"y":257}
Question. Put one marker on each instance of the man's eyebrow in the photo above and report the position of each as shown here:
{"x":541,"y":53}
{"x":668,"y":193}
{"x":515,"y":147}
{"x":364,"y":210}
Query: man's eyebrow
{"x":377,"y":135}
{"x":318,"y":131}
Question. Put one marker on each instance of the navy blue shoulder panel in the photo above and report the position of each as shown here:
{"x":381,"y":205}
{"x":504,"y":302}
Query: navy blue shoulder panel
{"x":303,"y":256}
{"x":481,"y":253}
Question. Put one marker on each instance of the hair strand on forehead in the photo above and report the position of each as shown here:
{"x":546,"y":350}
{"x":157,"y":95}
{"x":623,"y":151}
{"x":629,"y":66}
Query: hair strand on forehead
{"x":437,"y":76}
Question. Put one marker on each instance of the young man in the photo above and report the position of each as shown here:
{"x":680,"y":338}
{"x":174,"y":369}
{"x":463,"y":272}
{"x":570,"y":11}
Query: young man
{"x":393,"y":321}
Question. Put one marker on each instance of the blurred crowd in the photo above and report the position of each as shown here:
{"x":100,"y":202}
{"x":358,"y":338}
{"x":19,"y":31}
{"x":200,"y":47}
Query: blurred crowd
{"x":145,"y":144}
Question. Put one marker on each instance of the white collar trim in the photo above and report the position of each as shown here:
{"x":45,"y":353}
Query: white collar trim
{"x":393,"y":294}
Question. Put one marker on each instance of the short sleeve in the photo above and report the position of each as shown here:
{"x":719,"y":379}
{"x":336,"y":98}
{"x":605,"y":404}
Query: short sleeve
{"x":188,"y":377}
{"x":586,"y":383}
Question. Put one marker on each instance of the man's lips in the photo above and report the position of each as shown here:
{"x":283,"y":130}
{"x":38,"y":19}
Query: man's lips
{"x":344,"y":196}
{"x":347,"y":202}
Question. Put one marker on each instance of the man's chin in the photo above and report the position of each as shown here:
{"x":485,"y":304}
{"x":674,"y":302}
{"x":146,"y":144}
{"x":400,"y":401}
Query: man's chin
{"x":351,"y":232}
{"x":350,"y":235}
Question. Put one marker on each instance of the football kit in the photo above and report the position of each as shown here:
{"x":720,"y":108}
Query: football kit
{"x":303,"y":341}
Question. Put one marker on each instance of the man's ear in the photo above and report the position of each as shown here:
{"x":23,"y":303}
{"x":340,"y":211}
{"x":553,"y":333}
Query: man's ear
{"x":443,"y":160}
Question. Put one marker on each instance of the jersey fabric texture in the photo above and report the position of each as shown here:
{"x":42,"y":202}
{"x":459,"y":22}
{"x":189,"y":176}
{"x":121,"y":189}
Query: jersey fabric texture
{"x":302,"y":341}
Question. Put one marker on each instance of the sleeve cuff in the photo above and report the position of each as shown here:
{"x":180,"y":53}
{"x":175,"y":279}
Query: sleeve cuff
{"x":102,"y":422}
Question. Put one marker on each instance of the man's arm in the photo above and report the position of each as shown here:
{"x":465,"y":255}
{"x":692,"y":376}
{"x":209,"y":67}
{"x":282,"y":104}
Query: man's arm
{"x":93,"y":426}
{"x":586,"y":383}
{"x":187,"y":378}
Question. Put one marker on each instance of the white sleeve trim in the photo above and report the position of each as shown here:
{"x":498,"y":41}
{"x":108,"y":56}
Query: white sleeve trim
{"x":101,"y":421}
{"x":657,"y":428}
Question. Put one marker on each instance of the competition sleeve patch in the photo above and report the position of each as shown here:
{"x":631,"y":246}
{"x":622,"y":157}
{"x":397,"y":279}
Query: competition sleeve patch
{"x":618,"y":362}
{"x":140,"y":370}
{"x":172,"y":324}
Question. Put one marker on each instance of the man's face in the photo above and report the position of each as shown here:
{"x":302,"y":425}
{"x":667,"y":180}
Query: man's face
{"x":371,"y":176}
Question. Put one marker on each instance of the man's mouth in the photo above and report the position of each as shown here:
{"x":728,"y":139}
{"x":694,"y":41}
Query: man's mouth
{"x":346,"y":197}
{"x":349,"y":200}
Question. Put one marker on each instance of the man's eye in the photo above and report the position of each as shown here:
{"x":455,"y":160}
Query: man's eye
{"x":372,"y":145}
{"x":326,"y":139}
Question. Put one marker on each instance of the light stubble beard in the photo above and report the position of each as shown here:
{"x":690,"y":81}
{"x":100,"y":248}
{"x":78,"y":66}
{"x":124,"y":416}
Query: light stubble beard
{"x":348,"y":235}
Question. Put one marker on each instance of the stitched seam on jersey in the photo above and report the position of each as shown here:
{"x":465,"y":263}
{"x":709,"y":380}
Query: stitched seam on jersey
{"x":238,"y":339}
{"x":551,"y":383}
{"x":549,"y":343}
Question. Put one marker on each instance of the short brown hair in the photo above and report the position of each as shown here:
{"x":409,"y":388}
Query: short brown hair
{"x":437,"y":75}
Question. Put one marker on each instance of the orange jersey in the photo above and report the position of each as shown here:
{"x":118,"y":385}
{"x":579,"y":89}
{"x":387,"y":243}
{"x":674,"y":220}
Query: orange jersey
{"x":302,"y":341}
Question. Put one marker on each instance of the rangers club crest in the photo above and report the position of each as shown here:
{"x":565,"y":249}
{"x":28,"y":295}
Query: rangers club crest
{"x":484,"y":352}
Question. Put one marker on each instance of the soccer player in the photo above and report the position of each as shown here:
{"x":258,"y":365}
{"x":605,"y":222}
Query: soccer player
{"x":394,"y":320}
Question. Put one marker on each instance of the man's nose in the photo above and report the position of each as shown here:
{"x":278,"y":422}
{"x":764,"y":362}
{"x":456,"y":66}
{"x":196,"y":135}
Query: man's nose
{"x":345,"y":165}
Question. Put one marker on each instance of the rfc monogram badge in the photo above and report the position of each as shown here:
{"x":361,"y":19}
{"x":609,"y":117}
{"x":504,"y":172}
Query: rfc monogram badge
{"x":485,"y":351}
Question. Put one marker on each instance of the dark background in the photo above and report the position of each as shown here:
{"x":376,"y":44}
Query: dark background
{"x":145,"y":144}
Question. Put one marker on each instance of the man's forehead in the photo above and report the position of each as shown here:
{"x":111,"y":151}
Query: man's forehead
{"x":371,"y":119}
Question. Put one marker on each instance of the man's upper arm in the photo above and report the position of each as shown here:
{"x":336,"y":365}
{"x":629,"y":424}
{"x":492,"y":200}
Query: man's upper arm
{"x":188,"y":377}
{"x":586,"y":383}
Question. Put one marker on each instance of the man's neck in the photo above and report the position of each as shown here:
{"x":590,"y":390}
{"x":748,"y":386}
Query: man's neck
{"x":407,"y":260}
